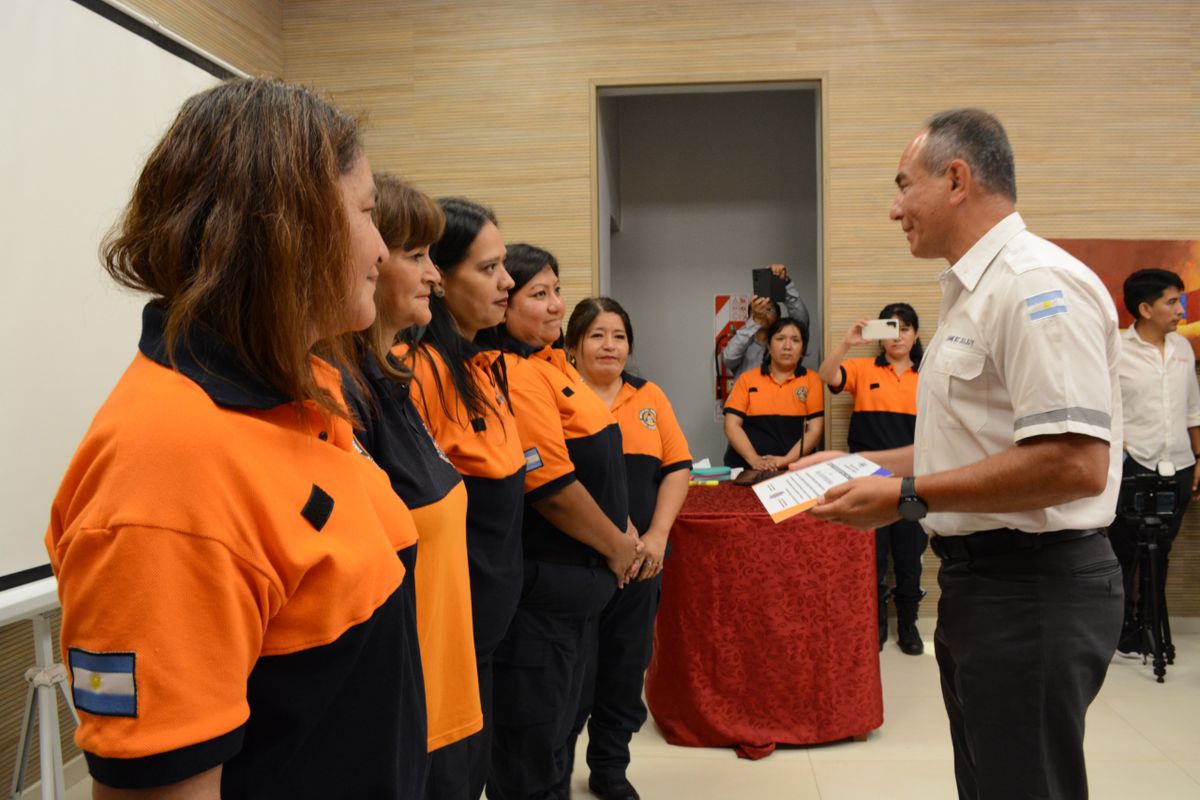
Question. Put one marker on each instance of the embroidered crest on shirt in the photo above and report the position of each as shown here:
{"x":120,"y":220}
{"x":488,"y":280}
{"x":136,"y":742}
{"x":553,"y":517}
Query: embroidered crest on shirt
{"x":802,"y":394}
{"x":1046,"y":304}
{"x":103,"y":683}
{"x":533,"y":460}
{"x":648,"y":418}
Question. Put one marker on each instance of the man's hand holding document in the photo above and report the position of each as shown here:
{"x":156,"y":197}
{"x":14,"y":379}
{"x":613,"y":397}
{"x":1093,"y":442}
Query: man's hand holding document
{"x":799,"y":490}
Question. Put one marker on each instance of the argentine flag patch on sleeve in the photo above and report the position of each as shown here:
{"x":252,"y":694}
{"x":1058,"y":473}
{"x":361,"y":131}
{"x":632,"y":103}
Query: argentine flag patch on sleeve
{"x":104,"y":683}
{"x":533,"y":460}
{"x":1046,"y":304}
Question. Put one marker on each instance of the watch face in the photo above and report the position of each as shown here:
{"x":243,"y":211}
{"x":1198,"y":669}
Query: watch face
{"x":913,"y":509}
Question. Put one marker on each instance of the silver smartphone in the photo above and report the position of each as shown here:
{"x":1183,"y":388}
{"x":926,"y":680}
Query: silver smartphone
{"x":881,"y":329}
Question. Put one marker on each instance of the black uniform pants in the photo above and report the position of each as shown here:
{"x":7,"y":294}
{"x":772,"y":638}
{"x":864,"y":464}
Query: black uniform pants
{"x":906,"y":542}
{"x":1124,"y":534}
{"x":1023,"y":643}
{"x":459,"y":770}
{"x":540,"y":671}
{"x":612,"y":705}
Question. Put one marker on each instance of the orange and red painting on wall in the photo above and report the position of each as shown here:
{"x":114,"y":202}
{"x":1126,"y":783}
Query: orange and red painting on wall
{"x":1114,"y":260}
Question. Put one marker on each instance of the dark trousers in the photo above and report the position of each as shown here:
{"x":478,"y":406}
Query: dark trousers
{"x":1124,"y":534}
{"x":459,"y":770}
{"x":906,"y":542}
{"x":540,"y":672}
{"x":1023,"y":643}
{"x":612,"y":705}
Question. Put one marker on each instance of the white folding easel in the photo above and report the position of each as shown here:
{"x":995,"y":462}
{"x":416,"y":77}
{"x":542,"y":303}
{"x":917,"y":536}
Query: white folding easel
{"x":47,"y":678}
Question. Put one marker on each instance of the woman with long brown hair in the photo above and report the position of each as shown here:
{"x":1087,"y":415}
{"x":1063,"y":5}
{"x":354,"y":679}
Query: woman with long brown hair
{"x":396,"y":437}
{"x":234,"y":620}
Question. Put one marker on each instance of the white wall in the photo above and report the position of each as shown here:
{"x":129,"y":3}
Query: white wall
{"x":711,"y":186}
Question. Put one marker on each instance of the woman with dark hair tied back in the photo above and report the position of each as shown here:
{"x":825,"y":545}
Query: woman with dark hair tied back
{"x":579,"y":543}
{"x":234,"y":618}
{"x":460,"y":392}
{"x":599,"y":341}
{"x":396,"y":437}
{"x":775,"y":414}
{"x":885,"y":416}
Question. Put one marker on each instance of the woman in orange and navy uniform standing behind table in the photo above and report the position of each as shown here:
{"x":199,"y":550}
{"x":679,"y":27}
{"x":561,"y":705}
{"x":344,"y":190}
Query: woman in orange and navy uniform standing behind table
{"x":657,"y":462}
{"x":775,"y":414}
{"x":885,"y":416}
{"x":579,"y":542}
{"x":396,"y":437}
{"x":460,"y":392}
{"x":234,"y":617}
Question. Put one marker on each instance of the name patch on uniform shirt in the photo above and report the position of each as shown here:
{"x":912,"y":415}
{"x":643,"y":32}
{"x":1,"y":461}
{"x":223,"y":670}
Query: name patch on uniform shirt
{"x":648,"y":418}
{"x":533,"y":459}
{"x":1046,"y":304}
{"x":103,"y":683}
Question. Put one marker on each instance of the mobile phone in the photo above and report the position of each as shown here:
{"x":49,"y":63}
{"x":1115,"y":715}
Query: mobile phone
{"x":881,"y":329}
{"x":768,"y":284}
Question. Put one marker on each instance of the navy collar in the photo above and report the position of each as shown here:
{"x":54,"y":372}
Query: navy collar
{"x":508,"y":344}
{"x":633,"y":380}
{"x":204,"y":358}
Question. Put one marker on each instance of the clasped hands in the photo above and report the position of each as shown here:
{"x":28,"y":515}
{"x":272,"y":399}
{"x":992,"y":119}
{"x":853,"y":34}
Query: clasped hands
{"x":640,"y":558}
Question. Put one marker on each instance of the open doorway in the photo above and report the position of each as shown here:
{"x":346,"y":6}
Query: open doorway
{"x":696,"y":186}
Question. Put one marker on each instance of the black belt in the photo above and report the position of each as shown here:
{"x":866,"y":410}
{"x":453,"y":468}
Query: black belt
{"x":999,"y":541}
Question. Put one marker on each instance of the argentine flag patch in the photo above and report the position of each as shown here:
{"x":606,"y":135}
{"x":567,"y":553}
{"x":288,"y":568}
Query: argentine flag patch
{"x":1046,"y":304}
{"x":533,"y":459}
{"x":103,"y":683}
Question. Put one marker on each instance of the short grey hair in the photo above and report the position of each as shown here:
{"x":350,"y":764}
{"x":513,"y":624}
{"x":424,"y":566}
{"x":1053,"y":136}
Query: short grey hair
{"x":977,"y":138}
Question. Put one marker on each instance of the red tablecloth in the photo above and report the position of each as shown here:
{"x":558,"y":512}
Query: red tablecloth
{"x":767,"y":634}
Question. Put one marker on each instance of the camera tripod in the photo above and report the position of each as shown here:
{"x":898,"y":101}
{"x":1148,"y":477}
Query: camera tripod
{"x":1156,"y":644}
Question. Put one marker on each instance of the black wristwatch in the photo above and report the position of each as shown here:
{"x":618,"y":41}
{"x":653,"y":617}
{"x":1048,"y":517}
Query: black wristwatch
{"x":912,"y":507}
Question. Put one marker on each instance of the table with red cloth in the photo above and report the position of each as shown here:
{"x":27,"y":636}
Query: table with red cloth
{"x":767,"y":633}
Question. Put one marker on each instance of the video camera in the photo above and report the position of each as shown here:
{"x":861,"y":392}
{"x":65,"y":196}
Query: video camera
{"x":1147,"y":495}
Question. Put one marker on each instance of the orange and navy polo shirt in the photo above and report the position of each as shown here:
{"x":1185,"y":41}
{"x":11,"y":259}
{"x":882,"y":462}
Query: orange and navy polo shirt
{"x":885,"y":404}
{"x":227,"y":568}
{"x":568,"y":434}
{"x":394,"y":434}
{"x":653,"y":442}
{"x":773,"y":413}
{"x":487,"y":451}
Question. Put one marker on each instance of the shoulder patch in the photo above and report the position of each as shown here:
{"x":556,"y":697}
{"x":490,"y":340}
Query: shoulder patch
{"x":104,"y":683}
{"x":1046,"y":304}
{"x":533,"y":460}
{"x":648,"y":418}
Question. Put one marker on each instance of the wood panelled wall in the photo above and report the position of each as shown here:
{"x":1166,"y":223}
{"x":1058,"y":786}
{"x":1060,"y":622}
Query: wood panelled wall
{"x":492,"y":99}
{"x":248,"y":34}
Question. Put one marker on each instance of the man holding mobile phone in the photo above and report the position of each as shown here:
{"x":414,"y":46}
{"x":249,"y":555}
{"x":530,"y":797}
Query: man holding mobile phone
{"x":746,"y":347}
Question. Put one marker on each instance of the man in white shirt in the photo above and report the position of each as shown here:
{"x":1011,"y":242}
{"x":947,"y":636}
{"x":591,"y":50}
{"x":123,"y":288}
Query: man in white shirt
{"x":1017,"y":465}
{"x":1162,"y":421}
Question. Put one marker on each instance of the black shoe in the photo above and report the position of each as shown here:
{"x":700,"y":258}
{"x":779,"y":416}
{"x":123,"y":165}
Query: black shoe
{"x":619,"y":789}
{"x":910,"y":641}
{"x":1130,"y":643}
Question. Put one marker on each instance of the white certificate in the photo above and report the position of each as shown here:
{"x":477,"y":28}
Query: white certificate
{"x":789,"y":494}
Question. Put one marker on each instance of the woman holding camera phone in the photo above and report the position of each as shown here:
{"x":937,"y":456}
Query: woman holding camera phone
{"x":746,"y":348}
{"x":774,"y":415}
{"x":885,"y":416}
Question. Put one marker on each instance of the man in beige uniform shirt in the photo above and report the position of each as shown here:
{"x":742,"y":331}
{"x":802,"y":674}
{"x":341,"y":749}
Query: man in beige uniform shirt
{"x":1017,"y":465}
